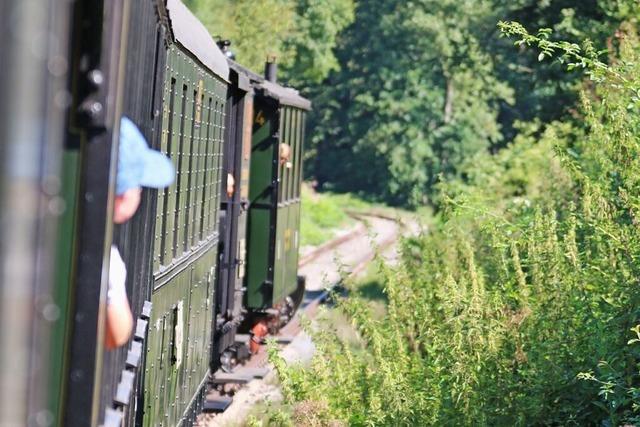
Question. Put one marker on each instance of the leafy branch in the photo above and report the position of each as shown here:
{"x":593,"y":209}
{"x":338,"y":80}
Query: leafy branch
{"x":572,"y":55}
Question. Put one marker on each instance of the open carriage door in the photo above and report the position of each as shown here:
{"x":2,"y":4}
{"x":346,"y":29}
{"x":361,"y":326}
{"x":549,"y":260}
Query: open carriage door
{"x":97,"y":51}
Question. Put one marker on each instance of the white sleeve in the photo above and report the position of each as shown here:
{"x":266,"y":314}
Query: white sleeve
{"x":117,"y":277}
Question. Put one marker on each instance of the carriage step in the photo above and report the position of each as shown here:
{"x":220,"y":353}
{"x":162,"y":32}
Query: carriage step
{"x":229,"y":378}
{"x":217,"y":404}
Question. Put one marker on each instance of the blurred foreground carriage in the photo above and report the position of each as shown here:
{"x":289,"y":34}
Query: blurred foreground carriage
{"x":213,"y":255}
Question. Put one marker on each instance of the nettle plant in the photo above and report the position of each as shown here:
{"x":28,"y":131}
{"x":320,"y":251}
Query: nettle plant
{"x":609,"y":173}
{"x":515,"y":311}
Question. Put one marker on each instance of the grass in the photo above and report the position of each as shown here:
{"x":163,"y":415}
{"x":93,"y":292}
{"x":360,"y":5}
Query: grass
{"x":324,"y":214}
{"x":368,"y":286}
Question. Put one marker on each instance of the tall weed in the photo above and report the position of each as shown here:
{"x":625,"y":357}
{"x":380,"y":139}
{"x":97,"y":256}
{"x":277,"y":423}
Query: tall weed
{"x":518,"y":308}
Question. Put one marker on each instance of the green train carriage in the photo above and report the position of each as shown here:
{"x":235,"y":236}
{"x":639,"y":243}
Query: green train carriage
{"x":153,"y":61}
{"x":171,"y":78}
{"x":34,"y":79}
{"x":185,"y":248}
{"x":58,"y":144}
{"x":274,"y":193}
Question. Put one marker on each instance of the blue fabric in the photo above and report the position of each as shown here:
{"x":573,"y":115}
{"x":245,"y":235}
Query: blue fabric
{"x":138,"y":165}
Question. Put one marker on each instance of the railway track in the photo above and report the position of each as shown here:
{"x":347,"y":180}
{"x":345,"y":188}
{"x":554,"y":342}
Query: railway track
{"x":219,"y":408}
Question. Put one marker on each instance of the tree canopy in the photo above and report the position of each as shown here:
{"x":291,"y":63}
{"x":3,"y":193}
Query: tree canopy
{"x":301,"y":34}
{"x":424,"y":85}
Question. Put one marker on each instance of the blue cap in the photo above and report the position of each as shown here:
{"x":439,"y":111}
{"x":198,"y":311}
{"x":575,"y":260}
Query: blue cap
{"x":138,"y":165}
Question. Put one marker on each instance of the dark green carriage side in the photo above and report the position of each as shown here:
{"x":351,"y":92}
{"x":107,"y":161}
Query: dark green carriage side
{"x":262,"y":199}
{"x":186,"y":224}
{"x":289,"y":205}
{"x":274,"y":216}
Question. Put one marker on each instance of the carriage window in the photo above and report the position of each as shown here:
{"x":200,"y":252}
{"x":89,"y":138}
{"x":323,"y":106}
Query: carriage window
{"x":204,"y":215}
{"x":192,"y":135}
{"x":190,"y":181}
{"x":162,"y":255}
{"x":217,"y":163}
{"x":199,"y":168}
{"x":294,"y":151}
{"x":303,"y":125}
{"x":179,"y":184}
{"x":283,"y":137}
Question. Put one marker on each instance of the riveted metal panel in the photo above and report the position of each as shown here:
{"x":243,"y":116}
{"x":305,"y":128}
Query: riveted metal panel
{"x":187,"y":210}
{"x":179,"y":341}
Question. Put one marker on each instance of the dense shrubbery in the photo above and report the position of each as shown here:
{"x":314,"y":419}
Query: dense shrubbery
{"x":518,"y":309}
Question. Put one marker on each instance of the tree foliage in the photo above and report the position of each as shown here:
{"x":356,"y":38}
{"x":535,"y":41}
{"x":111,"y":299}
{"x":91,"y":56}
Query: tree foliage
{"x":318,"y":23}
{"x":424,"y":85}
{"x":410,"y":89}
{"x":416,"y":94}
{"x":301,"y":34}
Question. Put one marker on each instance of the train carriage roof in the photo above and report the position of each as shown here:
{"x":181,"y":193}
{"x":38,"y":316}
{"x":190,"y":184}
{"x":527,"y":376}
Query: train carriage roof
{"x":284,"y":95}
{"x":190,"y":33}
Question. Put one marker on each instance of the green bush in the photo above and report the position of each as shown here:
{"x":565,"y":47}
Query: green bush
{"x":518,"y":308}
